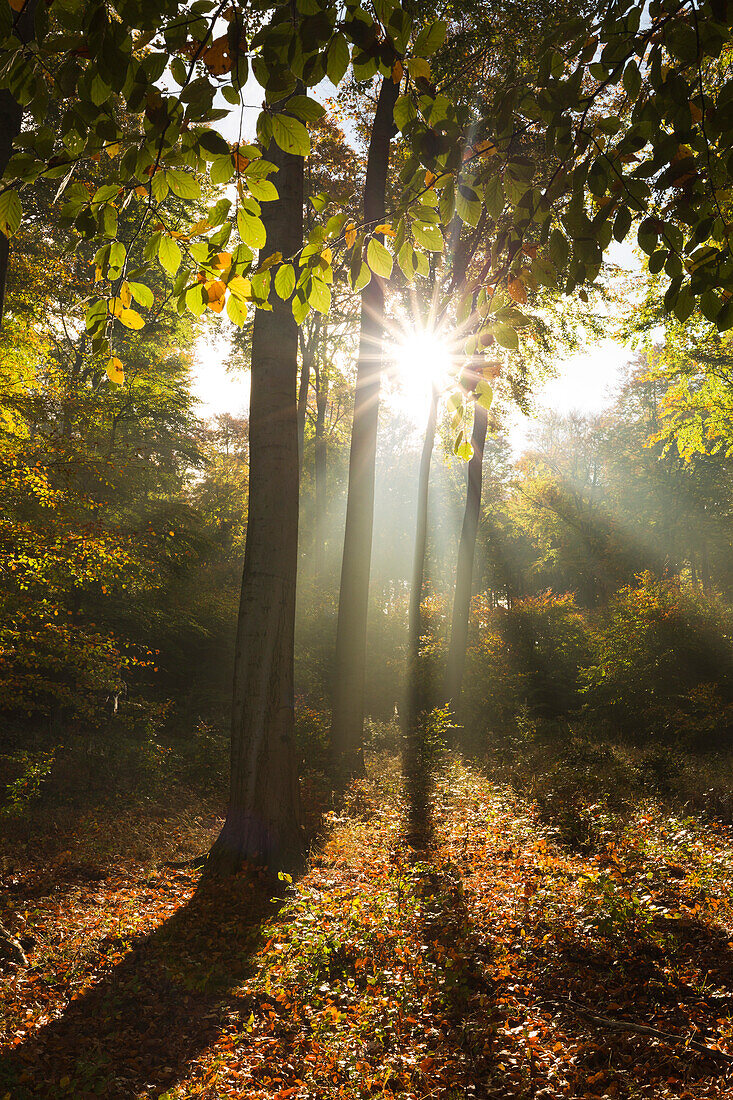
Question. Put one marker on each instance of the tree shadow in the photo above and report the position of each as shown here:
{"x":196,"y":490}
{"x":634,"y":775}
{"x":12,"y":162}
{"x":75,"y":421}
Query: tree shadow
{"x":142,"y":1024}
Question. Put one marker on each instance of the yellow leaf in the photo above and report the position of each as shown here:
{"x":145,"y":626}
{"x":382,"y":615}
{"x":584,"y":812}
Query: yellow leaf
{"x":115,"y":371}
{"x":240,"y":287}
{"x":270,"y":261}
{"x":350,"y":235}
{"x":430,"y":178}
{"x":125,"y":295}
{"x":223,"y":261}
{"x":386,"y":229}
{"x":142,"y":191}
{"x":199,"y":227}
{"x":130,"y":318}
{"x":327,"y":255}
{"x":486,"y":148}
{"x":112,"y":150}
{"x":418,"y":67}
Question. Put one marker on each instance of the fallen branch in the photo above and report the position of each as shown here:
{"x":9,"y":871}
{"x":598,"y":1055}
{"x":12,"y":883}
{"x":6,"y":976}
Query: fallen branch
{"x":615,"y":1024}
{"x":180,"y":864}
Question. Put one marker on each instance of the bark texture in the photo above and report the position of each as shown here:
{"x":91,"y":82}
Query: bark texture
{"x":414,"y":762}
{"x":262,"y":825}
{"x":349,"y":670}
{"x":320,"y":469}
{"x":464,"y":569}
{"x":11,"y":118}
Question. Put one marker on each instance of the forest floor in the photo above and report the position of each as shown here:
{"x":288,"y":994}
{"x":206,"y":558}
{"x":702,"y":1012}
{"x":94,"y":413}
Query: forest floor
{"x":502,"y":964}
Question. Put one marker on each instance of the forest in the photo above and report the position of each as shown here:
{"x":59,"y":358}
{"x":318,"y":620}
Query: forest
{"x":366,"y":549}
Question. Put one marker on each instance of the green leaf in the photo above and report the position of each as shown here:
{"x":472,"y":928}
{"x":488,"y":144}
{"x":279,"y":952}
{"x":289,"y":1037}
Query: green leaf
{"x":183,"y":184}
{"x":406,"y":260}
{"x":319,"y":296}
{"x":429,"y":236}
{"x":622,"y":223}
{"x":291,"y":135}
{"x":142,"y":294}
{"x":10,"y":213}
{"x":430,"y":38}
{"x":337,"y":59}
{"x":236,"y":310}
{"x":262,"y":189}
{"x":506,"y":337}
{"x":404,"y":111}
{"x":285,"y":280}
{"x":309,"y":110}
{"x":468,"y":205}
{"x":494,"y":196}
{"x":559,"y":249}
{"x":169,"y":255}
{"x":222,"y":169}
{"x":484,"y":394}
{"x":362,"y":279}
{"x":379,"y":258}
{"x":251,"y":229}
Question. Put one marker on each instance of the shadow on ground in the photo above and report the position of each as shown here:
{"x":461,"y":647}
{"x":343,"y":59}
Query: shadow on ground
{"x":138,"y":1029}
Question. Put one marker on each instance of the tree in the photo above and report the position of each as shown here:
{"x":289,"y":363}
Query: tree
{"x":262,"y":824}
{"x":349,"y":671}
{"x":20,"y":20}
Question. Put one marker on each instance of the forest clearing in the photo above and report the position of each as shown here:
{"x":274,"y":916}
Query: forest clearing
{"x":366,"y":549}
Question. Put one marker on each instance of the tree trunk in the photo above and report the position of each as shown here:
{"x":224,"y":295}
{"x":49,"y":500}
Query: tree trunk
{"x":464,"y":569}
{"x":349,"y":671}
{"x":11,"y":118}
{"x":320,"y":471}
{"x":414,"y":701}
{"x":415,"y":768}
{"x":305,"y":370}
{"x":262,"y":825}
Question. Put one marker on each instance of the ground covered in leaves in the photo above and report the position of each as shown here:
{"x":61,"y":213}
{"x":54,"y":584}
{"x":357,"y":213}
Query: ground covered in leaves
{"x":501,"y":963}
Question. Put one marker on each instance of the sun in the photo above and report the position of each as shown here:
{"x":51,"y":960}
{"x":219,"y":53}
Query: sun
{"x":420,"y":359}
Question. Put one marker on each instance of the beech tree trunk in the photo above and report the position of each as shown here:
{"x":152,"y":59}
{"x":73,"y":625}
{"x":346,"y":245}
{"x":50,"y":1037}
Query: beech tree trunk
{"x":262,"y":825}
{"x":414,"y":701}
{"x":415,"y":767}
{"x":320,"y":470}
{"x":464,"y":568}
{"x":11,"y":118}
{"x":349,"y":671}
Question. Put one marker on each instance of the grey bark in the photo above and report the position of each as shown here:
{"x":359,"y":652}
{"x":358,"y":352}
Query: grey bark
{"x":350,"y":664}
{"x":262,"y":825}
{"x":464,"y":569}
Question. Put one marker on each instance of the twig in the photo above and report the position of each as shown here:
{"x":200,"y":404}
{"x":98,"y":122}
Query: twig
{"x":616,"y":1024}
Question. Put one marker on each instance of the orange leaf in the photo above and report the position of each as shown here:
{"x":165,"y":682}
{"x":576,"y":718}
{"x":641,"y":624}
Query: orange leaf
{"x":397,"y":71}
{"x":517,"y":291}
{"x":216,"y":58}
{"x":350,"y":234}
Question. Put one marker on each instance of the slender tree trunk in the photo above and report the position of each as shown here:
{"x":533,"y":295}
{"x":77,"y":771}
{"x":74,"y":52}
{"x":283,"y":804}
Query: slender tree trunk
{"x":305,"y":369}
{"x":306,"y":347}
{"x":350,"y":664}
{"x":414,"y":701}
{"x":11,"y":118}
{"x":320,"y":471}
{"x":414,"y":763}
{"x":262,"y":825}
{"x":464,"y":569}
